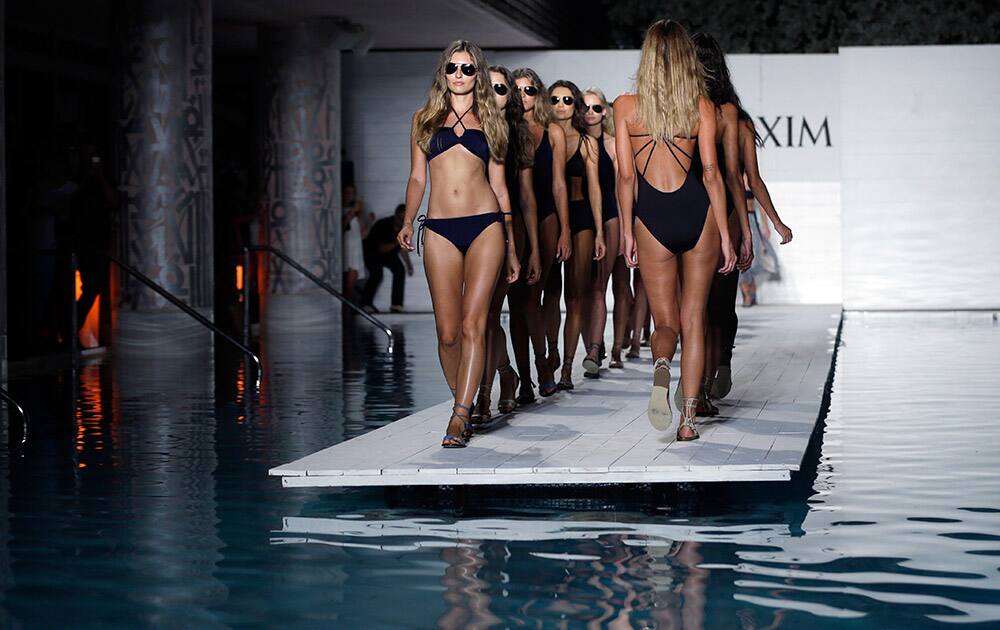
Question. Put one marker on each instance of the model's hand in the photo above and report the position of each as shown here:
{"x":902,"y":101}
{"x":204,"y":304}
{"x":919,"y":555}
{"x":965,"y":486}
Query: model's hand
{"x":728,"y":255}
{"x":564,"y":249}
{"x":785,"y":232}
{"x":630,"y":251}
{"x":534,"y":268}
{"x":405,"y":237}
{"x":746,"y":253}
{"x":600,"y":249}
{"x":513,"y":267}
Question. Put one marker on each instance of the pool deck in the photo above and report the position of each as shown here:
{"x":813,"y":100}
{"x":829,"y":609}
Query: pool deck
{"x":599,"y":432}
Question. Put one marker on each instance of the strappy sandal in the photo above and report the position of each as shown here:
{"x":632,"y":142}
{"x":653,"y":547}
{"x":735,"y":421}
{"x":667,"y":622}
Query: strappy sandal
{"x":527,"y":394}
{"x":481,"y":414}
{"x":546,"y":379}
{"x":705,"y":406}
{"x":633,"y":352}
{"x":616,"y":358}
{"x":602,"y":353}
{"x":659,"y":412}
{"x":592,"y":368}
{"x":687,"y":421}
{"x":461,"y":440}
{"x":566,"y":384}
{"x":508,"y":404}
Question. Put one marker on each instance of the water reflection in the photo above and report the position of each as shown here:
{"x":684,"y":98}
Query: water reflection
{"x":164,"y":465}
{"x":143,"y":499}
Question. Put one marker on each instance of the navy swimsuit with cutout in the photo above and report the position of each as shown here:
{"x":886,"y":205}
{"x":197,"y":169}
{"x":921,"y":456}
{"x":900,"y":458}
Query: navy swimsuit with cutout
{"x":677,"y":218}
{"x":461,"y":231}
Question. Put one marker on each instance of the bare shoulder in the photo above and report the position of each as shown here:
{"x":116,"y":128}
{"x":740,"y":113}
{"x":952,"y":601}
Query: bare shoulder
{"x":556,"y":133}
{"x":729,"y":112}
{"x":624,"y":105}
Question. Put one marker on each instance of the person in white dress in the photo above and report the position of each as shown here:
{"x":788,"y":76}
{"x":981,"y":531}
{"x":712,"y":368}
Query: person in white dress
{"x":354,"y":233}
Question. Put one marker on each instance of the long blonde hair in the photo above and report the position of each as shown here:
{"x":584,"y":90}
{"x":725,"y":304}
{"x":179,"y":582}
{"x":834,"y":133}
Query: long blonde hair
{"x":434,"y":112}
{"x":542,"y":113}
{"x":609,"y":119}
{"x":669,"y":82}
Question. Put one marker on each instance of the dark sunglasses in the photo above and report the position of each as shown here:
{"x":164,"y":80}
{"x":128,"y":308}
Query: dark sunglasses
{"x":529,"y":90}
{"x":598,"y":109}
{"x":500,"y":88}
{"x":467,"y":68}
{"x":567,"y":100}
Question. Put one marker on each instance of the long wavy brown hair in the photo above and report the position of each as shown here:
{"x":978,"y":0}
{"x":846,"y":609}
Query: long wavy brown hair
{"x":669,"y":82}
{"x":543,"y":111}
{"x":432,"y":115}
{"x":609,"y":119}
{"x":520,"y":142}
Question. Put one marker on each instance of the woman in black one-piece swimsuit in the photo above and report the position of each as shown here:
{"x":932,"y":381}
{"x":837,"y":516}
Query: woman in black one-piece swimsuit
{"x":585,"y":222}
{"x":667,"y":160}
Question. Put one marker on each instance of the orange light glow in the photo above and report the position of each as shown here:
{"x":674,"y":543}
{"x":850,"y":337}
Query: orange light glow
{"x":91,"y":325}
{"x":79,"y":285}
{"x":239,"y":277}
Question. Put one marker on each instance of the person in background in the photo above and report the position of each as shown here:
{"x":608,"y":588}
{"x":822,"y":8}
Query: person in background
{"x":93,"y":206}
{"x":355,"y":226}
{"x":381,"y":249}
{"x":765,"y":260}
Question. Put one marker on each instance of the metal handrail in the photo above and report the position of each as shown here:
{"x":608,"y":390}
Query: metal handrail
{"x":201,"y":319}
{"x":320,"y":283}
{"x":20,"y":410}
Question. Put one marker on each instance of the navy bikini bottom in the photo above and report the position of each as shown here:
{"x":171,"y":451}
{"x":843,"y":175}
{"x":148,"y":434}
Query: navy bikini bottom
{"x":462,"y":231}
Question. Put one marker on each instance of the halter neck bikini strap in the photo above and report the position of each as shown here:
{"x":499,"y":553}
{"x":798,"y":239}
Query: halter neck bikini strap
{"x":458,"y":120}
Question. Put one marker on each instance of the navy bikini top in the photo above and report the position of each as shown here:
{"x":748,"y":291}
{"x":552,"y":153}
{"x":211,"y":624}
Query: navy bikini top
{"x":474,"y":140}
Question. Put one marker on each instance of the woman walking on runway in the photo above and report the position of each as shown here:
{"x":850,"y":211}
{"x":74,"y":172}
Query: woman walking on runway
{"x":664,"y":130}
{"x":600,"y":126}
{"x":722,"y":296}
{"x":554,"y":245}
{"x":459,"y":136}
{"x":738,"y":137}
{"x":517,"y":173}
{"x":585,"y":222}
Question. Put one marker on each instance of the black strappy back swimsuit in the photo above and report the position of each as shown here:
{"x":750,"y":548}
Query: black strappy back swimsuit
{"x":461,"y":231}
{"x":677,"y":218}
{"x":580,"y":215}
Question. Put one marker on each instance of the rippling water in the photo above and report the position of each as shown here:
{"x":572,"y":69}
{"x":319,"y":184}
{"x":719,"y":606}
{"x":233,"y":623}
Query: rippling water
{"x":142,"y":498}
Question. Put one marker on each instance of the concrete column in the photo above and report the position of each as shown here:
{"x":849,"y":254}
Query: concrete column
{"x":165,"y":162}
{"x":300,"y":168}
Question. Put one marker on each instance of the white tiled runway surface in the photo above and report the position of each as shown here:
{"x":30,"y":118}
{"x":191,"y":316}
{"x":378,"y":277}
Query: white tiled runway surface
{"x":599,"y":433}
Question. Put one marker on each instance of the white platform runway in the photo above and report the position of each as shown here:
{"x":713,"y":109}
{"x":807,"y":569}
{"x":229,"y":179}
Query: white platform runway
{"x":599,"y":433}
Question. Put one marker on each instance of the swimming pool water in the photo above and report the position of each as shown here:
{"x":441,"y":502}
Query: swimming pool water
{"x":142,"y":498}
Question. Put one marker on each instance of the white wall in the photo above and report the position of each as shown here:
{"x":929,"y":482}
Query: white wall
{"x":382,"y":90}
{"x":920,"y":167}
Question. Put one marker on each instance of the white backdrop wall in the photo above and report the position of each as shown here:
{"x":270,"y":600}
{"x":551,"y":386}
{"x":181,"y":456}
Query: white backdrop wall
{"x":921,"y":162}
{"x":794,"y":99}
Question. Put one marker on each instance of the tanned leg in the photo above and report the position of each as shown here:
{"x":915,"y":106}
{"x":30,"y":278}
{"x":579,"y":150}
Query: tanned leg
{"x":599,"y":307}
{"x":577,"y":288}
